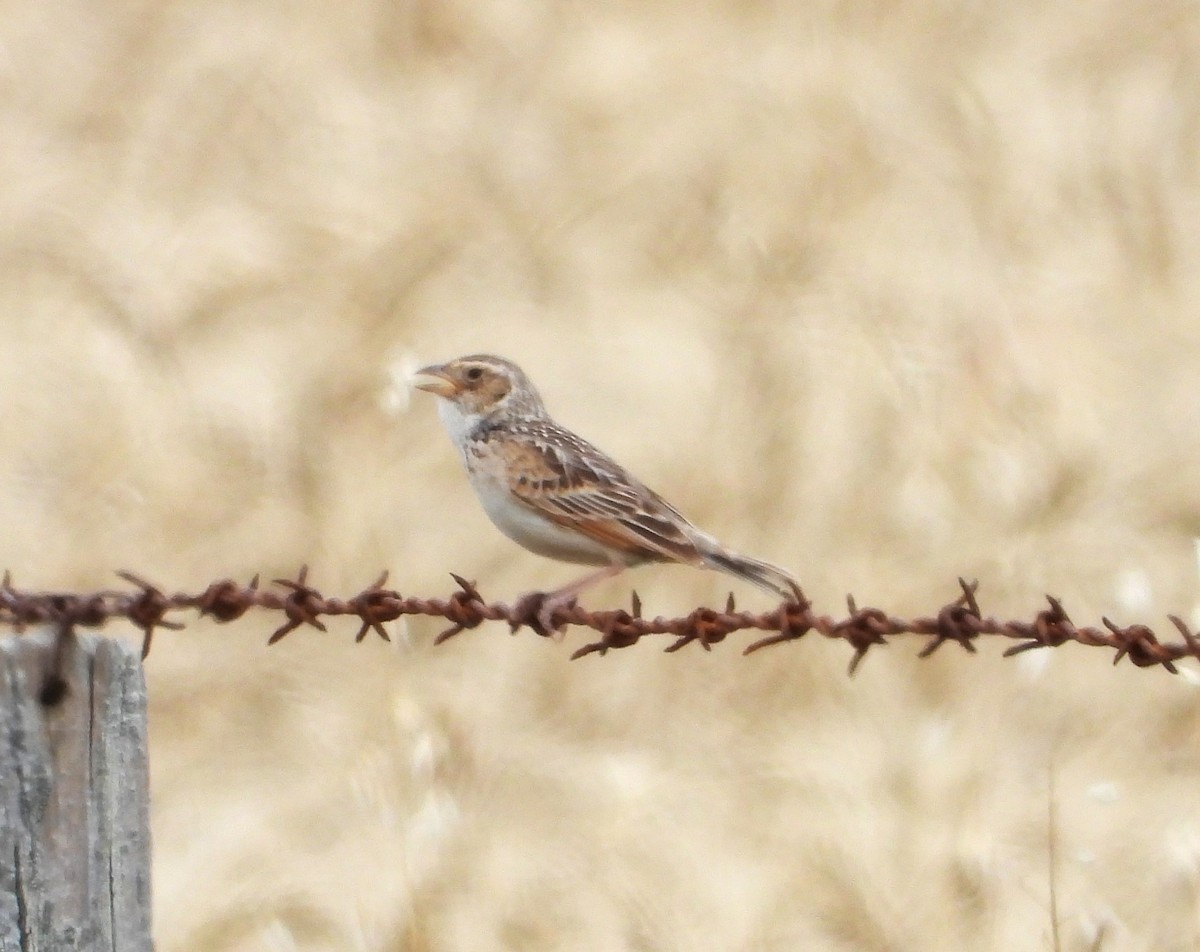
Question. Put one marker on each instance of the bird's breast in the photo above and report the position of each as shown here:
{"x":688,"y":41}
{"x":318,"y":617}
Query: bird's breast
{"x":490,"y":478}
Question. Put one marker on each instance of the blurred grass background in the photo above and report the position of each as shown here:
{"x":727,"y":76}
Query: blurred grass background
{"x":886,"y":293}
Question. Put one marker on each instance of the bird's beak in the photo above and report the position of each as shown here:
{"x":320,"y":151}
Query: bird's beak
{"x":434,"y":380}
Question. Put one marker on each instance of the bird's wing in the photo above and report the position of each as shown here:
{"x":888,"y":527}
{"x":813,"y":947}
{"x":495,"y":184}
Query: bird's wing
{"x":567,"y":480}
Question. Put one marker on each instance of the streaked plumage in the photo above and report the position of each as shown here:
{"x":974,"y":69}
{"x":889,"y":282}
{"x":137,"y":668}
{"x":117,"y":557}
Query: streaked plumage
{"x":558,"y":495}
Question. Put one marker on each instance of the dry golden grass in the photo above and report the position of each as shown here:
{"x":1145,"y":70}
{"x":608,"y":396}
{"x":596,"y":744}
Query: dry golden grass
{"x":887,"y":293}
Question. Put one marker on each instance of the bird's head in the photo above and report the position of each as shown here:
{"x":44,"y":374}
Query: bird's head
{"x":480,"y":385}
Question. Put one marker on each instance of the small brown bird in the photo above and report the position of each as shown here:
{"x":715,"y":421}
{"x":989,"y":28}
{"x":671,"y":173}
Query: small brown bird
{"x":559,"y":496}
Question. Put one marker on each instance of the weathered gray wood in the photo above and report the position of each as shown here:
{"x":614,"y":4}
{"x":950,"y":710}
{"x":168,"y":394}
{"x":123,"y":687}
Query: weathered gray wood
{"x":74,"y":798}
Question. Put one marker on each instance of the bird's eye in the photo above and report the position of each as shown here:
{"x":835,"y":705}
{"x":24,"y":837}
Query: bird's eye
{"x":474,"y":373}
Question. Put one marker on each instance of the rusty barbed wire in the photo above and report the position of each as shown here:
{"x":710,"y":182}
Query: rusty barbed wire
{"x":960,"y":622}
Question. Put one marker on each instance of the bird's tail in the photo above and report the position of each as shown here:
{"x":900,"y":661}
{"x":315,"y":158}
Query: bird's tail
{"x":768,"y":577}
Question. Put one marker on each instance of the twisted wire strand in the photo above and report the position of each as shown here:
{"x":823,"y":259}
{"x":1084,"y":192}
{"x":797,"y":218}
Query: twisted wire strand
{"x":959,"y":621}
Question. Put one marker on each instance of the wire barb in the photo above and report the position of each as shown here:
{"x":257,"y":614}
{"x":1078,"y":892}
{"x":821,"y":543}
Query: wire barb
{"x":863,"y":629}
{"x":957,"y":622}
{"x":375,"y":606}
{"x":149,"y":608}
{"x":148,"y":611}
{"x":302,"y":606}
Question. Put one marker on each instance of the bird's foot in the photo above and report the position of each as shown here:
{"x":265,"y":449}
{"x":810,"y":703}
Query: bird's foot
{"x":537,"y":610}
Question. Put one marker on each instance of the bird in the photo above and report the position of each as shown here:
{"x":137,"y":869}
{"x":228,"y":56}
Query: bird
{"x":557,"y":495}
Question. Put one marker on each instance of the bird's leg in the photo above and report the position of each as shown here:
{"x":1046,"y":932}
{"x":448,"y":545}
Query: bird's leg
{"x":560,"y":597}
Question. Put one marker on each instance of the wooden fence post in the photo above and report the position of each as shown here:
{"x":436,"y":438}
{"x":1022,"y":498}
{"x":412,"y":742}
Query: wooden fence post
{"x":74,"y":796}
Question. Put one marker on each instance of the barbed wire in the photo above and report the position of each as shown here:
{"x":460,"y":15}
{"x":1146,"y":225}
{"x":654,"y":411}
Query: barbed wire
{"x":959,"y":622}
